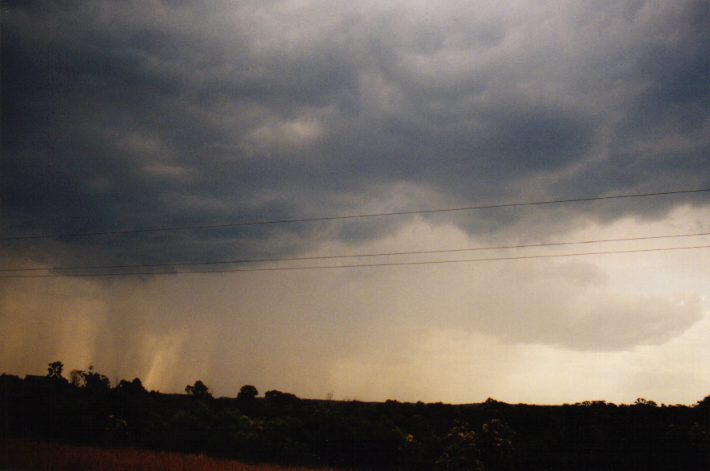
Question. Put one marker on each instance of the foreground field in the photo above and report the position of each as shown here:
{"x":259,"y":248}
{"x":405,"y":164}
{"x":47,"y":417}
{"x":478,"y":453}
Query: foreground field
{"x":27,"y":455}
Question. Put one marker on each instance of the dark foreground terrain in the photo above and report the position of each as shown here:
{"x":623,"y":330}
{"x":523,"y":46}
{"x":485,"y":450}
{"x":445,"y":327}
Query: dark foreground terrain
{"x":280,"y":428}
{"x":23,"y":455}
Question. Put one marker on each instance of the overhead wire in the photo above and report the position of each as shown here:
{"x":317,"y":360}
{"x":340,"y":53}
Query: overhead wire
{"x":360,"y":265}
{"x":343,"y":217}
{"x":356,"y":255}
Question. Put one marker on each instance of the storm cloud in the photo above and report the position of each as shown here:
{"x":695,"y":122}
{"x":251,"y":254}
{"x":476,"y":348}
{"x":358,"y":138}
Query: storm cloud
{"x":125,"y":115}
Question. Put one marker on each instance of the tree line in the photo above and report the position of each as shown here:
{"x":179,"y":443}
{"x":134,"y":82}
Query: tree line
{"x":281,"y":428}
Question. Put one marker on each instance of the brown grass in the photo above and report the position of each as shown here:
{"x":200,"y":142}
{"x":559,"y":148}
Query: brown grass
{"x":49,"y":456}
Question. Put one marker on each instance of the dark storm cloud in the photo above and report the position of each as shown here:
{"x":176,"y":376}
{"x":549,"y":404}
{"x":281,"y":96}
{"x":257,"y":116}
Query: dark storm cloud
{"x":120,"y":115}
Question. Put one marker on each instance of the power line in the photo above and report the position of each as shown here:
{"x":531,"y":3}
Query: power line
{"x":345,"y":217}
{"x":362,"y":265}
{"x":360,"y":255}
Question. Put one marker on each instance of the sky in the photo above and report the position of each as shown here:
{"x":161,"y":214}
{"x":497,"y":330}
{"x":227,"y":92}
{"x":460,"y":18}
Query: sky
{"x":121,"y":116}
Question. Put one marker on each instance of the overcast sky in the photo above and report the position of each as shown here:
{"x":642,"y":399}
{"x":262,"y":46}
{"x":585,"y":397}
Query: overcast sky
{"x":122,"y":116}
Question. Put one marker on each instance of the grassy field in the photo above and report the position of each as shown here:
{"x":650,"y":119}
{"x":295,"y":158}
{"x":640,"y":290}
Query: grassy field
{"x":27,"y":455}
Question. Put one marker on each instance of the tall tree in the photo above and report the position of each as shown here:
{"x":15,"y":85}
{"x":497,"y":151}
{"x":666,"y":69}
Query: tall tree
{"x":198,"y":390}
{"x":54,"y":370}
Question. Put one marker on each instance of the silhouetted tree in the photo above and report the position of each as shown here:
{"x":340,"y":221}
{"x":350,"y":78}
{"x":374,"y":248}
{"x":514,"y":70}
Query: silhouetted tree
{"x":198,"y":390}
{"x":54,"y":370}
{"x":246,"y":400}
{"x":90,"y":380}
{"x":278,"y":397}
{"x":641,"y":402}
{"x":357,"y":435}
{"x":247,"y":393}
{"x":131,"y":387}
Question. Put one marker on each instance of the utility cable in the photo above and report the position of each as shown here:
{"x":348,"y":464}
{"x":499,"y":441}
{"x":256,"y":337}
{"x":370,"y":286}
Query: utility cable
{"x":362,"y":265}
{"x":344,"y":217}
{"x":341,"y":256}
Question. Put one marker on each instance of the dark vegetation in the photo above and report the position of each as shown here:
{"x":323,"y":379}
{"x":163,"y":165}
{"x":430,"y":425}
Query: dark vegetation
{"x":30,"y":455}
{"x":282,"y":428}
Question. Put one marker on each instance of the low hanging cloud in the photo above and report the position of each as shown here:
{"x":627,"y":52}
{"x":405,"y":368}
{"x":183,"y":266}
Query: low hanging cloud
{"x":565,"y":311}
{"x":572,"y":304}
{"x":135,"y":114}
